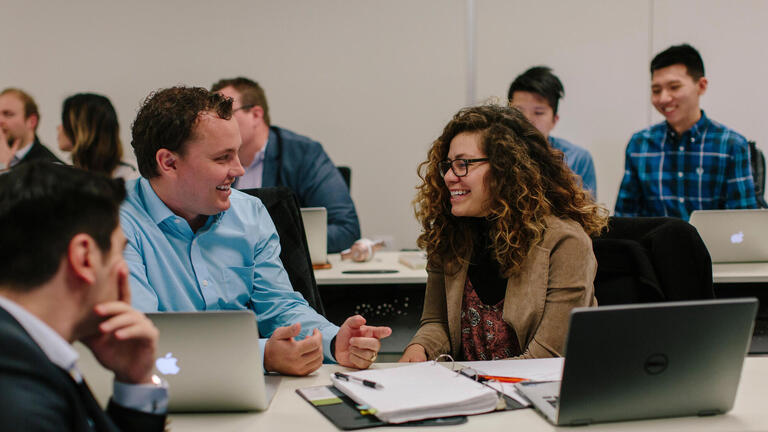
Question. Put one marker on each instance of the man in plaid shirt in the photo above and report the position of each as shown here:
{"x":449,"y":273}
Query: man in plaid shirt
{"x":688,"y":162}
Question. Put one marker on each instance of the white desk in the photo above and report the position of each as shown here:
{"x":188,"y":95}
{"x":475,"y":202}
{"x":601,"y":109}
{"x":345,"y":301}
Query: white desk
{"x":289,"y":412}
{"x":740,"y":272}
{"x":383,"y":260}
{"x":721,"y":273}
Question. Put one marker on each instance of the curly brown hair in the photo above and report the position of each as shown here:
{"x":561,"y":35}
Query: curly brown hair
{"x":527,"y":179}
{"x":166,"y":118}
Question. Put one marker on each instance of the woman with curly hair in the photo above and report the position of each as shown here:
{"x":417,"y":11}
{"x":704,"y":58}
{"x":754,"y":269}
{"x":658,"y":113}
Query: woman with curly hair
{"x":506,"y":228}
{"x":90,"y":130}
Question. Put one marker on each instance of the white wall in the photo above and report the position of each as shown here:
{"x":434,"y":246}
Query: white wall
{"x":376,"y":81}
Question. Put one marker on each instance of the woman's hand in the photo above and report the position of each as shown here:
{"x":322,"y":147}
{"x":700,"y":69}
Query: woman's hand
{"x":414,"y":353}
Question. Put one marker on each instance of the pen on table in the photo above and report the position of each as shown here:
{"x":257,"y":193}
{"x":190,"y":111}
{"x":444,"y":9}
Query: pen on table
{"x":503,"y":379}
{"x":365,"y":382}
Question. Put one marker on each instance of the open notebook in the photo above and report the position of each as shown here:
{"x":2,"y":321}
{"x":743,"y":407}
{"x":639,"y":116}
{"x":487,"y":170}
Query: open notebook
{"x":418,"y":391}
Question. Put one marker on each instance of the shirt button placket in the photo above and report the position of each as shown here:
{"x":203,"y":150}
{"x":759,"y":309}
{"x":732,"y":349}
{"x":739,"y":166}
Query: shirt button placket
{"x":681,"y":167}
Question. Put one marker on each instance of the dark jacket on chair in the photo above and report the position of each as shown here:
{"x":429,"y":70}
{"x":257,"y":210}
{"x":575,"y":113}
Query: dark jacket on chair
{"x":651,"y":259}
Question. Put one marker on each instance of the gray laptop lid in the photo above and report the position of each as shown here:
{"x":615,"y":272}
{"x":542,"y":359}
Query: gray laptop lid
{"x":654,"y":360}
{"x":211,"y":360}
{"x":733,"y":235}
{"x":316,"y":229}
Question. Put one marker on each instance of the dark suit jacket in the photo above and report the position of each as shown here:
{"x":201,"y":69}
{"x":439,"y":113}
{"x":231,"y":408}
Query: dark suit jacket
{"x":37,"y":395}
{"x":39,"y":152}
{"x":300,"y":163}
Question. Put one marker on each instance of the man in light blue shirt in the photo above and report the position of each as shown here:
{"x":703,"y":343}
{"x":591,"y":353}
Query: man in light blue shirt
{"x":63,"y":278}
{"x":536,"y":93}
{"x":194,"y":243}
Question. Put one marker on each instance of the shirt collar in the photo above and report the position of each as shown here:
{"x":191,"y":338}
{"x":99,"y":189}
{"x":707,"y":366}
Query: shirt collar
{"x":156,"y":208}
{"x":58,"y":350}
{"x":20,"y":154}
{"x":259,"y":157}
{"x":696,"y":130}
{"x":160,"y":212}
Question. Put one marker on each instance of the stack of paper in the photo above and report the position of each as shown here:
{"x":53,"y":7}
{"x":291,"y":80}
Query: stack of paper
{"x":546,"y":369}
{"x":419,"y":391}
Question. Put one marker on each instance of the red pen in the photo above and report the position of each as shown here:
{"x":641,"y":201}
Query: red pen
{"x":502,"y":378}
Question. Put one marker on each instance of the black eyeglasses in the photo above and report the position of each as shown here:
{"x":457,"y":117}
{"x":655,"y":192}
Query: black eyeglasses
{"x":244,"y":107}
{"x":460,"y":167}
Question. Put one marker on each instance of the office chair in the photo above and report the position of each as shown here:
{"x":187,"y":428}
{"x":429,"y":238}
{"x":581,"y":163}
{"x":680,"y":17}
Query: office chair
{"x":757,"y":162}
{"x":283,"y":207}
{"x":642,"y":260}
{"x":346,"y":174}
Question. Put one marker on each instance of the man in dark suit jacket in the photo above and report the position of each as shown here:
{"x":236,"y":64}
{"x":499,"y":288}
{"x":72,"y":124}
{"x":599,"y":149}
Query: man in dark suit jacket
{"x":19,"y":118}
{"x":63,"y":278}
{"x":274,"y":156}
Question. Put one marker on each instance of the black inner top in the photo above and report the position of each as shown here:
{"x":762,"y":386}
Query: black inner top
{"x":484,"y":271}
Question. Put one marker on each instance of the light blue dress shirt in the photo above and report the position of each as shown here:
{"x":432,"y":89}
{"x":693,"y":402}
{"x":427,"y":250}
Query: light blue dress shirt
{"x":141,"y":397}
{"x":579,"y":161}
{"x":231,"y":263}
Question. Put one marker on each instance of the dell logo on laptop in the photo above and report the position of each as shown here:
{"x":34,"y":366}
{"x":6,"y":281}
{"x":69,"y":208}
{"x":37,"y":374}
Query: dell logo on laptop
{"x":656,"y":364}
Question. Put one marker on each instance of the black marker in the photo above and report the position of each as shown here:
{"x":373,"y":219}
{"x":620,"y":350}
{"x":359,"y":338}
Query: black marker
{"x":364,"y":382}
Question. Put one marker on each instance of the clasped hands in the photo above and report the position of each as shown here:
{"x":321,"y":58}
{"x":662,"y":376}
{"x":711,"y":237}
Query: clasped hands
{"x":357,"y":346}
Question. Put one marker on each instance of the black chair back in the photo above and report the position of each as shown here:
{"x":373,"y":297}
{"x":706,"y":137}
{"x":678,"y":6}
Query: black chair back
{"x":651,"y":259}
{"x":283,"y":207}
{"x":757,"y":162}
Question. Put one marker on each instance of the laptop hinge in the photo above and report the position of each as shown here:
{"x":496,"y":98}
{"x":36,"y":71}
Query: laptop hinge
{"x":709,"y":412}
{"x":581,"y":422}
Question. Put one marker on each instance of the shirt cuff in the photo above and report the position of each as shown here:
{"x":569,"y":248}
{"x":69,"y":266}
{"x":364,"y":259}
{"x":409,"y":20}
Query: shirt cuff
{"x":148,"y":398}
{"x":329,"y":339}
{"x":262,"y":346}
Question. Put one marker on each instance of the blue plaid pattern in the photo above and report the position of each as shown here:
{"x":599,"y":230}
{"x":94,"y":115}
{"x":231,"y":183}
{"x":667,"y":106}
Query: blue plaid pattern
{"x":669,"y":174}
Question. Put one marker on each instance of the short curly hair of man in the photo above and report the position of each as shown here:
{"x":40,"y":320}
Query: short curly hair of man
{"x":166,"y":119}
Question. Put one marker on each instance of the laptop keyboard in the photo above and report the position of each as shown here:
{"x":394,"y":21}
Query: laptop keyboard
{"x":553,"y":400}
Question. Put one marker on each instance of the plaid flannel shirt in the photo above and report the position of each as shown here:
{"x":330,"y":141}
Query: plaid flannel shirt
{"x":671,"y":174}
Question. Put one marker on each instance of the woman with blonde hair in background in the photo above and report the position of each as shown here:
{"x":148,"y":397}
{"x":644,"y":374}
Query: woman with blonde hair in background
{"x":506,"y":228}
{"x":90,"y":130}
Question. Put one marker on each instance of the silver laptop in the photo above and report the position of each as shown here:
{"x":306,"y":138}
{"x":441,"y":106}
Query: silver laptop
{"x":316,"y":229}
{"x":211,"y":361}
{"x":733,"y":235}
{"x":648,"y":360}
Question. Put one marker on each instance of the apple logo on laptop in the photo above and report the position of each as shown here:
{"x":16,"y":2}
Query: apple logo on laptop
{"x":167,"y":365}
{"x":737,"y":238}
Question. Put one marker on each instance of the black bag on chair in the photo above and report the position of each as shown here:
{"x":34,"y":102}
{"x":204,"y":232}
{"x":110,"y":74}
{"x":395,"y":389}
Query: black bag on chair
{"x":283,"y":207}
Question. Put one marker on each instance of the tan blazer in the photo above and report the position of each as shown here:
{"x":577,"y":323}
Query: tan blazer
{"x":557,"y":276}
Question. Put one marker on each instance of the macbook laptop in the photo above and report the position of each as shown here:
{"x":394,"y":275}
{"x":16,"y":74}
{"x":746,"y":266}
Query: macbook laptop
{"x":316,"y":229}
{"x":733,"y":235}
{"x":211,"y":361}
{"x":648,"y":360}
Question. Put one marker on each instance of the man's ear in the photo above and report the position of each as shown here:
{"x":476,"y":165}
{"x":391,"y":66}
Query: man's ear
{"x":702,"y":85}
{"x":555,"y":119}
{"x":258,"y":113}
{"x":81,"y":257}
{"x":31,"y":121}
{"x":166,"y":162}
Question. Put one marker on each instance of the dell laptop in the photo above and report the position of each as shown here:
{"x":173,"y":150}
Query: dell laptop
{"x":648,"y":360}
{"x":733,"y":235}
{"x":211,"y":361}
